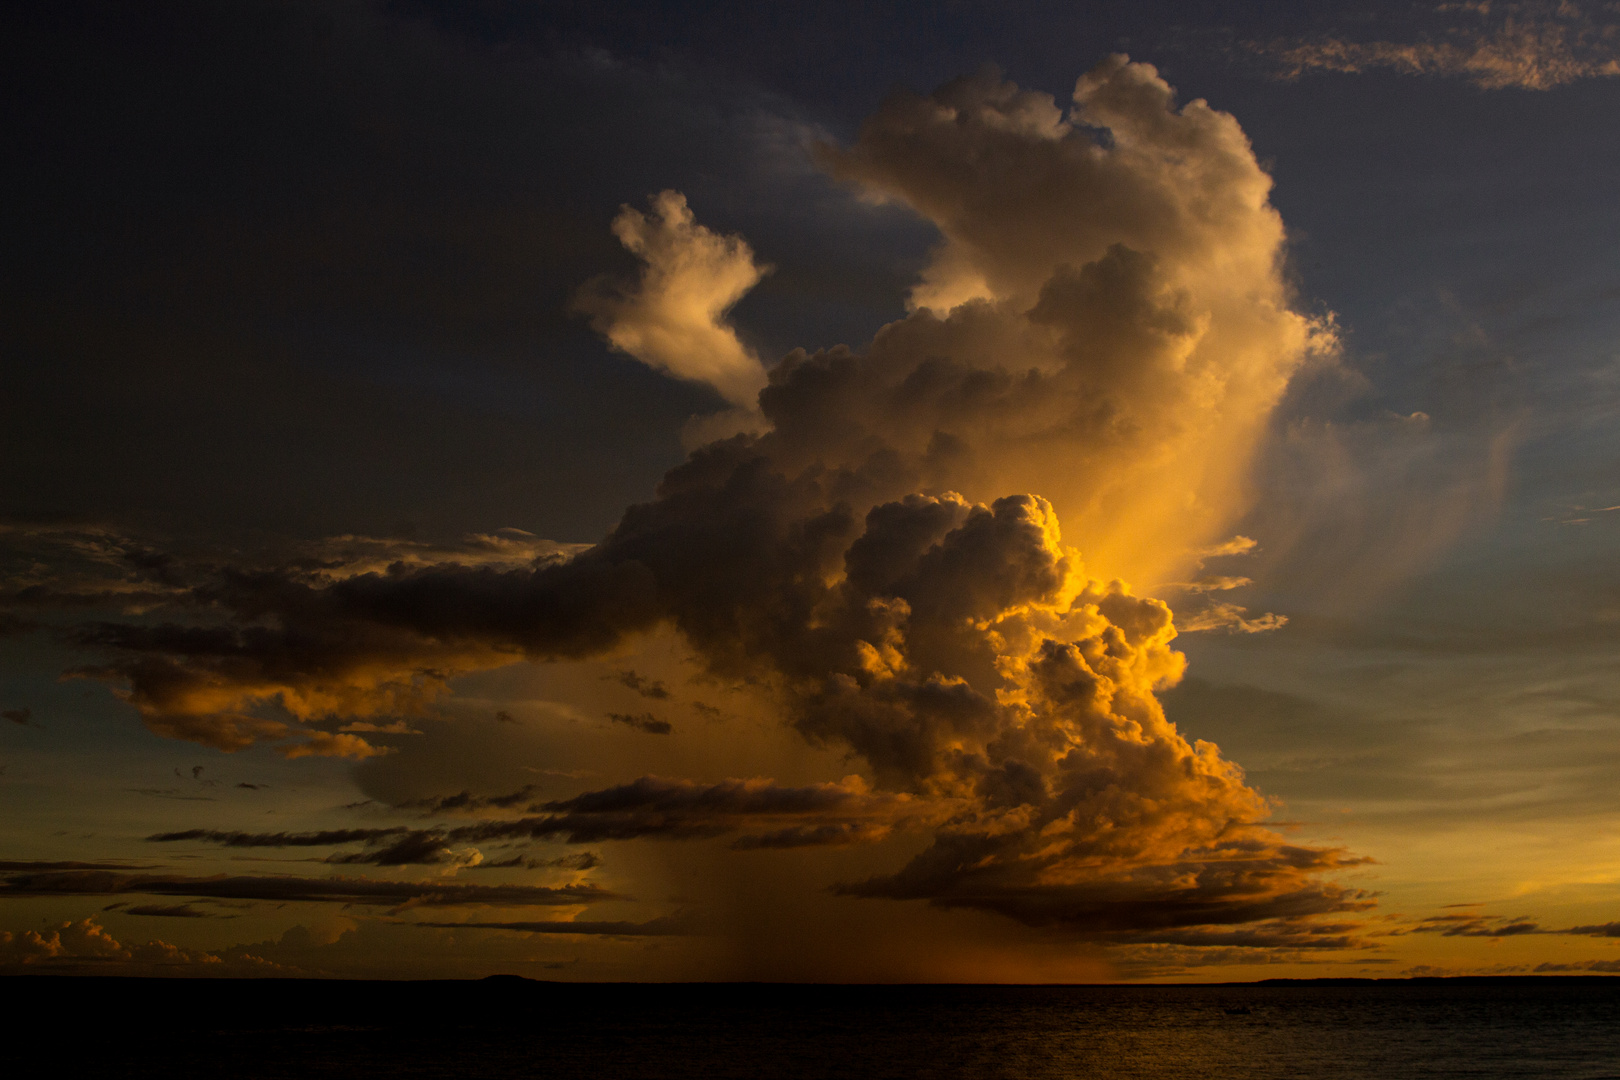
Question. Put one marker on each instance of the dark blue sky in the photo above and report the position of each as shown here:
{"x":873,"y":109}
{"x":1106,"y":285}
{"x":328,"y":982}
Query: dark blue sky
{"x":306,"y":268}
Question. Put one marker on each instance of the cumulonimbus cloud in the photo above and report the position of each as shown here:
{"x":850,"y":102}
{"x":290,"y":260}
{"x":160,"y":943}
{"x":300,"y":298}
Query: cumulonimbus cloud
{"x":1100,"y":338}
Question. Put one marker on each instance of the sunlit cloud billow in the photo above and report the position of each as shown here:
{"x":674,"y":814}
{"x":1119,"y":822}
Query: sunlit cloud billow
{"x":915,"y":552}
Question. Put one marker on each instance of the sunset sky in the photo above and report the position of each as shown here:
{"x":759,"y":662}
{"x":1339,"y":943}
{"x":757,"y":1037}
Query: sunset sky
{"x":839,"y":492}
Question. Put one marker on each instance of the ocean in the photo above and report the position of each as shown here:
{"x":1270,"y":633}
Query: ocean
{"x":506,"y":1027}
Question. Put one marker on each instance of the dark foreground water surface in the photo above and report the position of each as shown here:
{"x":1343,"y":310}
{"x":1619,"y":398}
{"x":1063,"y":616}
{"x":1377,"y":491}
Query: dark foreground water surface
{"x":1544,"y":1028}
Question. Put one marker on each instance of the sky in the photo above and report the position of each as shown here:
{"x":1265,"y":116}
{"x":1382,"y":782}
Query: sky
{"x":827,"y":492}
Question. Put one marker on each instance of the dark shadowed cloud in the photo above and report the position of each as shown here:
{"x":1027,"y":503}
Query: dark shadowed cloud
{"x":584,"y":860}
{"x":167,"y":911}
{"x":643,"y":722}
{"x":320,"y":838}
{"x":641,"y":684}
{"x":1604,"y":930}
{"x":660,"y":927}
{"x":29,"y":867}
{"x":651,"y":807}
{"x":1485,"y":926}
{"x":465,"y":802}
{"x":330,"y":890}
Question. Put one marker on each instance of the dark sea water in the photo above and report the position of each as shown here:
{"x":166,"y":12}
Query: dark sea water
{"x":1552,"y":1028}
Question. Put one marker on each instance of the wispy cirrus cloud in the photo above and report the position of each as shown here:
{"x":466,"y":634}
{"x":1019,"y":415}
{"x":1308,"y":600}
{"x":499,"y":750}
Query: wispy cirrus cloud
{"x":1495,"y":46}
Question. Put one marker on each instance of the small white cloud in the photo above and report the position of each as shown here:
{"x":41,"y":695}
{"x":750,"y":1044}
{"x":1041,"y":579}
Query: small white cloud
{"x":673,"y":320}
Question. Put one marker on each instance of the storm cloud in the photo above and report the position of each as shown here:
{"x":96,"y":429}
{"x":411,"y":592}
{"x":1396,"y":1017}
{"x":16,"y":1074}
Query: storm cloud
{"x":918,"y":555}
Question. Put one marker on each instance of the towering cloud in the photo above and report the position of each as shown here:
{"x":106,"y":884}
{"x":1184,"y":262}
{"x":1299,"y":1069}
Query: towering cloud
{"x":1100,"y":336}
{"x":1103,"y":322}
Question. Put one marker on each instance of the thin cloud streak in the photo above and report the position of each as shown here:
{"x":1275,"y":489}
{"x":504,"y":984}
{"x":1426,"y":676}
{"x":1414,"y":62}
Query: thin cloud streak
{"x":1521,"y":46}
{"x":321,"y":890}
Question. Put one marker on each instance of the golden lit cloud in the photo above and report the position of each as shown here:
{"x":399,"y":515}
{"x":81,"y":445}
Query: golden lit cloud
{"x":673,"y":319}
{"x":892,"y":560}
